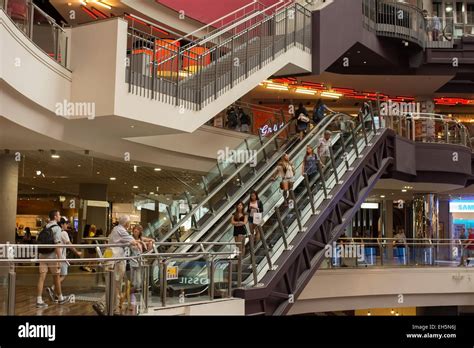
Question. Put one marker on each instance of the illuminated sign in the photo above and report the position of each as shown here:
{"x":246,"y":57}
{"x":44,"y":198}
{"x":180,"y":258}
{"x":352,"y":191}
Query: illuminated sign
{"x":461,"y":207}
{"x":172,"y":272}
{"x":369,"y":206}
{"x":269,"y":129}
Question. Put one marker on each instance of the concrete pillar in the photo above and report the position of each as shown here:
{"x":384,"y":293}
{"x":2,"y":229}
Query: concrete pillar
{"x":90,"y":214}
{"x":8,"y":197}
{"x":426,"y":215}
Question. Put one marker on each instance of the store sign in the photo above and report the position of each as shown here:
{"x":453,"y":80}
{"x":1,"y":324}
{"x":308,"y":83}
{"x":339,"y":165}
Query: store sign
{"x":461,"y":207}
{"x":269,"y":129}
{"x":172,"y":272}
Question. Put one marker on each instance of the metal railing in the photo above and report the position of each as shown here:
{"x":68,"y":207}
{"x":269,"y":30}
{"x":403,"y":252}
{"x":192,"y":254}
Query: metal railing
{"x":154,"y":269}
{"x":39,"y":27}
{"x":389,"y":252}
{"x":194,"y":76}
{"x":274,"y":119}
{"x":407,"y":22}
{"x":428,"y":128}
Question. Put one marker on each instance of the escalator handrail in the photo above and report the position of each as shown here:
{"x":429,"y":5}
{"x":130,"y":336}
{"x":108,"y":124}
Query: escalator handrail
{"x":225,"y":182}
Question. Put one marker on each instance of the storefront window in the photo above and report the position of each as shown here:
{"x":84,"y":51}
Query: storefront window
{"x":459,"y":12}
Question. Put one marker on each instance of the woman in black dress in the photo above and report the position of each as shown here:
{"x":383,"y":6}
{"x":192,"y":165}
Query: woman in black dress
{"x":239,"y":220}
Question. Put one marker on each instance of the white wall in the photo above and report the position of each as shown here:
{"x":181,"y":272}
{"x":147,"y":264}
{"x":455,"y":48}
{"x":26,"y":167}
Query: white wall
{"x":29,"y":70}
{"x":348,"y":289}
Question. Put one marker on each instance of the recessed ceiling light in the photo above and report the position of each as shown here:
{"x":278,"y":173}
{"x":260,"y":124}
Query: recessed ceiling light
{"x":132,"y":126}
{"x":382,"y":196}
{"x":135,"y":187}
{"x":365,"y":62}
{"x":38,"y":172}
{"x":55,"y":156}
{"x":112,"y":178}
{"x":98,"y":172}
{"x":404,"y":190}
{"x":152,"y":193}
{"x":32,"y":188}
{"x":157,"y":169}
{"x":79,"y":165}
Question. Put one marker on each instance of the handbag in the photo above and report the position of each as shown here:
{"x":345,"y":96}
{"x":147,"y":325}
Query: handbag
{"x":303,"y":118}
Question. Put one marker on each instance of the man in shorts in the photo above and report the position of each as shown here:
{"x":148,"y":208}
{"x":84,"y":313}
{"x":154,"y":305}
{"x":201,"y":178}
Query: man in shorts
{"x":63,"y":223}
{"x":53,"y":267}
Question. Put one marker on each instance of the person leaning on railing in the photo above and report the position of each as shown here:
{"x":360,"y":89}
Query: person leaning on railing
{"x":120,"y":235}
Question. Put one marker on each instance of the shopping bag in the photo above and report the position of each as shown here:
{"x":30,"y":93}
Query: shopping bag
{"x":257,"y":218}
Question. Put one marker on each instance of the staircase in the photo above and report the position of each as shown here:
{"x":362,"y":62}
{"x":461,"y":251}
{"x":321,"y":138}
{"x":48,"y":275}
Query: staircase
{"x":195,"y":76}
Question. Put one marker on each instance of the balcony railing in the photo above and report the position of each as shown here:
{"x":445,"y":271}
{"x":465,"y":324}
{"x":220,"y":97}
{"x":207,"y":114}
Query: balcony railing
{"x":428,"y":128}
{"x":40,"y":28}
{"x":406,"y":22}
{"x":193,"y":76}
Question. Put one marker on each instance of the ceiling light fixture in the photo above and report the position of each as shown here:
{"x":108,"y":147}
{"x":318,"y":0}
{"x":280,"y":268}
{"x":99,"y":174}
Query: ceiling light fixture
{"x":382,"y":196}
{"x":404,"y":190}
{"x":54,"y":154}
{"x":277,"y":87}
{"x":108,"y":7}
{"x":113,"y":178}
{"x":305,"y":91}
{"x":331,"y":95}
{"x":135,"y":187}
{"x":157,"y":169}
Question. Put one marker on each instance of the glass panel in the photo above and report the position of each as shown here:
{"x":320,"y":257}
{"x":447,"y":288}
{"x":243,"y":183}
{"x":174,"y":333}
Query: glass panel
{"x":19,"y":12}
{"x":44,"y":34}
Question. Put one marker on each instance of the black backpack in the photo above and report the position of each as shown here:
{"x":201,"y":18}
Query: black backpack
{"x":46,"y":236}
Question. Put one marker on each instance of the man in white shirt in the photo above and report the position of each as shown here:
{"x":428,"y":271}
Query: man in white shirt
{"x":120,"y":235}
{"x":63,"y":223}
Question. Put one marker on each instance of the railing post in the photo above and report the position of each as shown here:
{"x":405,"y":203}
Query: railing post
{"x":274,"y":35}
{"x":215,"y":72}
{"x":260,"y":53}
{"x":232,"y":62}
{"x":210,"y":263}
{"x":110,"y":292}
{"x":229,"y":282}
{"x":11,"y":299}
{"x":304,"y":30}
{"x":146,"y":291}
{"x":323,"y":180}
{"x":32,"y":18}
{"x":247,"y":53}
{"x":295,"y":16}
{"x":310,"y":193}
{"x":286,"y":29}
{"x":333,"y":164}
{"x":178,"y":57}
{"x":295,"y":209}
{"x":265,"y":247}
{"x":163,"y":282}
{"x":282,"y":227}
{"x":252,"y":258}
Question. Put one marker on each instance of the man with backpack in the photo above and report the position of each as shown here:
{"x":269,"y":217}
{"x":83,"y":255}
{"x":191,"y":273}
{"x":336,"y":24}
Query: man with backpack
{"x":51,"y":234}
{"x":244,"y":121}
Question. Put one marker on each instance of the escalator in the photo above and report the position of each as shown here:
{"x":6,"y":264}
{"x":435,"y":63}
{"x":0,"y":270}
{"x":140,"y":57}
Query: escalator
{"x":215,"y":223}
{"x":275,"y":269}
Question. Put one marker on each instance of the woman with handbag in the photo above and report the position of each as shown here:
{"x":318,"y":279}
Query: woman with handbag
{"x":239,"y":220}
{"x":286,"y":171}
{"x":255,"y":211}
{"x":302,"y":120}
